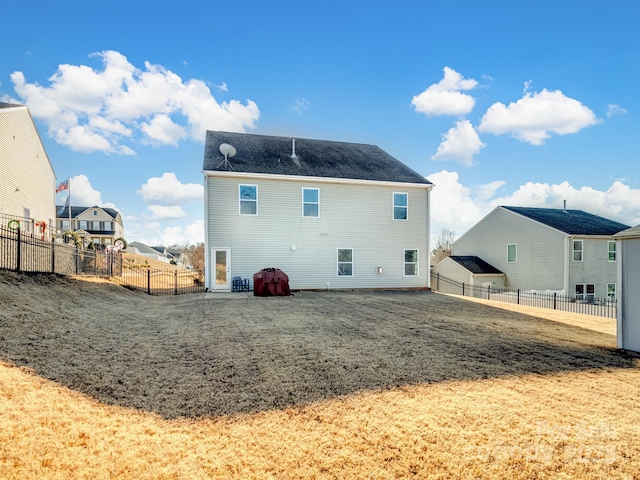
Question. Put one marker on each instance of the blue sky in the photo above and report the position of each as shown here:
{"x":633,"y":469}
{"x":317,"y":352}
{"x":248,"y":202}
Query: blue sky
{"x":495,"y":102}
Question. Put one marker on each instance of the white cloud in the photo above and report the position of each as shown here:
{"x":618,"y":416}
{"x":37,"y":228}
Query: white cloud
{"x":168,"y":190}
{"x":299,"y":106}
{"x":165,"y":212}
{"x":445,"y":97}
{"x":459,"y":144}
{"x":190,"y":234}
{"x":82,"y":192}
{"x":222,"y":87}
{"x":110,"y":109}
{"x":614,"y":110}
{"x":536,"y":116}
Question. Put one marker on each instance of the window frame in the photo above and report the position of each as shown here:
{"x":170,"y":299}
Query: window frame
{"x":585,"y":291}
{"x":614,"y":251}
{"x":405,"y":207}
{"x":241,"y":200}
{"x":574,"y":250}
{"x":317,"y":203}
{"x":405,"y":263}
{"x":611,"y":296}
{"x":515,"y":245}
{"x":338,"y":263}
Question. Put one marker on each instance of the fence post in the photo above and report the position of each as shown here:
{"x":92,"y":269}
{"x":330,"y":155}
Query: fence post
{"x":95,"y":262}
{"x":77,"y":258}
{"x":554,"y":300}
{"x":488,"y":292}
{"x":518,"y":296}
{"x":19,"y":250}
{"x":175,"y":282}
{"x":53,"y":255}
{"x":438,"y":282}
{"x":463,"y":289}
{"x":148,"y":281}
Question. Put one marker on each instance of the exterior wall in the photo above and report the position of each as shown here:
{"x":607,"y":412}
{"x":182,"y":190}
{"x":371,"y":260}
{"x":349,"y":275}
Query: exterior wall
{"x":540,"y":259}
{"x":27,"y":180}
{"x":595,"y":267}
{"x":453,"y":270}
{"x":628,"y":322}
{"x":352,"y":215}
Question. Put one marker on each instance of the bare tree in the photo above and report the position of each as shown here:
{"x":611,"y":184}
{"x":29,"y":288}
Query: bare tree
{"x":442,"y":246}
{"x":194,"y":256}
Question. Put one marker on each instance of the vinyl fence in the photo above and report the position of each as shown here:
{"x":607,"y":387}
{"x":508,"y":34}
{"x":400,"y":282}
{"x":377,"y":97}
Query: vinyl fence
{"x":587,"y":306}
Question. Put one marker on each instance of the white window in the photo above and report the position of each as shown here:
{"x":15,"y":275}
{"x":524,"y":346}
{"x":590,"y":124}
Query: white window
{"x":410,"y":262}
{"x":95,"y":225}
{"x":611,"y":292}
{"x":585,"y":291}
{"x":248,"y":199}
{"x":345,"y":262}
{"x":512,"y":253}
{"x":310,"y":202}
{"x":83,"y":224}
{"x":108,"y":226}
{"x":95,"y":212}
{"x":64,"y":225}
{"x":577,"y":250}
{"x":400,"y":206}
{"x":611,"y":247}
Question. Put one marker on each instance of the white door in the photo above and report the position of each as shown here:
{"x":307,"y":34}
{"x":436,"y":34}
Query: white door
{"x":221,"y":259}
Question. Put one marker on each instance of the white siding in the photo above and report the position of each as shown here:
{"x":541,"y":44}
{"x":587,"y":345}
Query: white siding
{"x":540,"y":250}
{"x":628,"y":334}
{"x":27,"y":179}
{"x":351,"y":216}
{"x":453,"y":270}
{"x":595,"y":266}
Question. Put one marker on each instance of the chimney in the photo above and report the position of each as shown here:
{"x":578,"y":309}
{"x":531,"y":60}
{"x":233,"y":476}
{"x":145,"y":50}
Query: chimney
{"x":564,"y":208}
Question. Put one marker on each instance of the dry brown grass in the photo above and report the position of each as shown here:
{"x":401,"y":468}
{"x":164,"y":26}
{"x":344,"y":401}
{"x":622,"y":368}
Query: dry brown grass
{"x":320,"y":385}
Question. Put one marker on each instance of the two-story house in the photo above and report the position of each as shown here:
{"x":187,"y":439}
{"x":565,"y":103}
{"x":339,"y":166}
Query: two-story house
{"x":27,"y":179}
{"x":97,"y":225}
{"x":540,"y":249}
{"x":329,"y":214}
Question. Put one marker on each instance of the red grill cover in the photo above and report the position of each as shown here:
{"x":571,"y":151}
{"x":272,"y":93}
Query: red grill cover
{"x":270,"y":282}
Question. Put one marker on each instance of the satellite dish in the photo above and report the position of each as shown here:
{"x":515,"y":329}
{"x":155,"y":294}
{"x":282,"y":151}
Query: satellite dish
{"x":228,"y":151}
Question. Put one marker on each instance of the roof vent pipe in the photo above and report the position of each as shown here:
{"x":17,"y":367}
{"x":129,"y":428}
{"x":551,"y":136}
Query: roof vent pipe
{"x":564,"y":208}
{"x":293,"y":148}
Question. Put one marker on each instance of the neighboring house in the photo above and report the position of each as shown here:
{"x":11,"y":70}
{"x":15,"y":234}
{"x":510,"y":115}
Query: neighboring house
{"x":102,"y":226}
{"x":628,"y":331}
{"x":568,"y":251}
{"x":161,"y":254}
{"x":470,"y":270}
{"x":329,"y":214}
{"x":27,"y":180}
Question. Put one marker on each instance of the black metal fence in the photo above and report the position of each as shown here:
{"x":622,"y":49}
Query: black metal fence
{"x":552,"y":300}
{"x":156,"y":281}
{"x":39,"y":252}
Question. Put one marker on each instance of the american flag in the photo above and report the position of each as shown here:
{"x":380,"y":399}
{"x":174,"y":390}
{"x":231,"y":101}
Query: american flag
{"x":63,"y":186}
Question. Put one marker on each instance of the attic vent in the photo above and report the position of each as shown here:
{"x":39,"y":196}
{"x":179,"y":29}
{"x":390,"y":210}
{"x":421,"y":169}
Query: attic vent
{"x":293,"y":148}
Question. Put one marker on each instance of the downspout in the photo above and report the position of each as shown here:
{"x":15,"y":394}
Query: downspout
{"x":567,"y":252}
{"x":429,"y":237}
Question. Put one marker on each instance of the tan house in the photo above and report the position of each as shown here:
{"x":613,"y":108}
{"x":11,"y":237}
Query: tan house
{"x":27,"y":179}
{"x":102,"y":226}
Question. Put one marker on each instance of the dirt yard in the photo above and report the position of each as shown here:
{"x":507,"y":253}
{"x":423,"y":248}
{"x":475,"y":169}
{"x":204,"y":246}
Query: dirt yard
{"x":318,"y":385}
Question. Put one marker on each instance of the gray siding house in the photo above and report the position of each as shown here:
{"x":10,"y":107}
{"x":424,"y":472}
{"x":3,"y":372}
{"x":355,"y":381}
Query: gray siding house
{"x":329,"y":214}
{"x":27,"y":179}
{"x":628,"y":312}
{"x":540,"y":249}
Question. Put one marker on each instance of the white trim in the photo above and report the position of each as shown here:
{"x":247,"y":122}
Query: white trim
{"x":310,"y":203}
{"x":227,"y":286}
{"x":515,"y":245}
{"x":404,"y":262}
{"x":615,"y":251}
{"x":338,"y":262}
{"x":393,"y":207}
{"x":300,"y":178}
{"x":240,"y":185}
{"x":573,"y":250}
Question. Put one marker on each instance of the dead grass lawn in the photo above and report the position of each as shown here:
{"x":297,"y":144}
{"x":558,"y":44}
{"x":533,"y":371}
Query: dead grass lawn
{"x":100,"y":382}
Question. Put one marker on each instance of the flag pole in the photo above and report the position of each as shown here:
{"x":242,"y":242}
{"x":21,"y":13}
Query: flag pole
{"x":69,"y":202}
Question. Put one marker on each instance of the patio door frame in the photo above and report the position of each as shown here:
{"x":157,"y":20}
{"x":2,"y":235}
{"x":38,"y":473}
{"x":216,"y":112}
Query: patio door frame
{"x":215,"y":286}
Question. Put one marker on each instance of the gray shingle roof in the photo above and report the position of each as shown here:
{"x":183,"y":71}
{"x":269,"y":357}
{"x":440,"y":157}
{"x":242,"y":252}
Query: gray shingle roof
{"x":314,"y":158}
{"x":62,"y":211}
{"x":474,"y":264}
{"x":572,"y":222}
